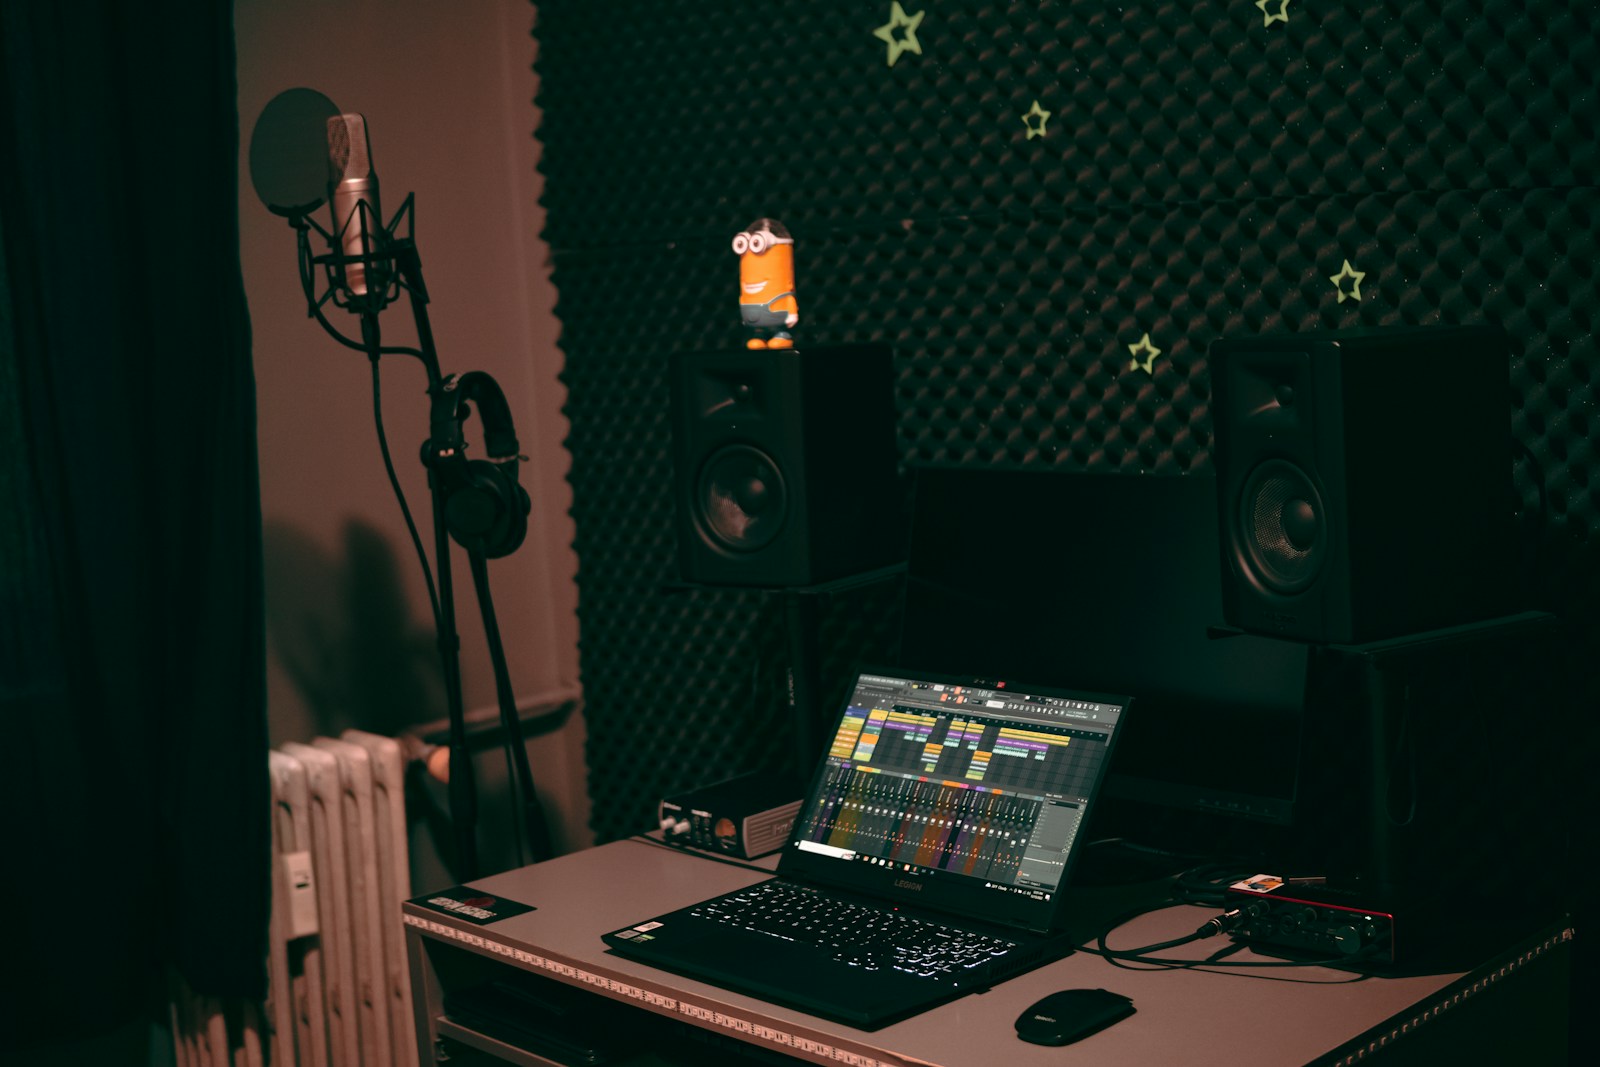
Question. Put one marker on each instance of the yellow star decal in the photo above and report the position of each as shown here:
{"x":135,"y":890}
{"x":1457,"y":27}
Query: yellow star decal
{"x":1035,"y":112}
{"x":1150,"y":353}
{"x":1268,"y":17}
{"x":1355,"y":277}
{"x":899,"y":20}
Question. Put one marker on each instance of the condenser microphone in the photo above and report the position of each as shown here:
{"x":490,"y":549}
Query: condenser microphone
{"x":353,"y":196}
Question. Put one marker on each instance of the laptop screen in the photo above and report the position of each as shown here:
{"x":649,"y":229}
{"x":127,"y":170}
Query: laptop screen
{"x":961,"y":794}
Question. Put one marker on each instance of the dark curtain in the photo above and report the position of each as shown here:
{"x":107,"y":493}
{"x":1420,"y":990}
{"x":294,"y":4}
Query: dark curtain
{"x":132,"y":656}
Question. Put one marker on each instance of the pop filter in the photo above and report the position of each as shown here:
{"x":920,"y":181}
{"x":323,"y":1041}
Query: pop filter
{"x":289,"y":152}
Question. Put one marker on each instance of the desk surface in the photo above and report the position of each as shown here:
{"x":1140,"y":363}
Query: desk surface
{"x":1193,"y":1016}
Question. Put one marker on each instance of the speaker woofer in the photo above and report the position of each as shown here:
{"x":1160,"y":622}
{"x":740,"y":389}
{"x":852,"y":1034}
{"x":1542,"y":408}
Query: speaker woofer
{"x":741,"y":500}
{"x":1283,"y":528}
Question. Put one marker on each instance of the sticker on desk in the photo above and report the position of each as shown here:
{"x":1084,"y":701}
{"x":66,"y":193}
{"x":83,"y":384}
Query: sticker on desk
{"x":1261,"y":883}
{"x":473,"y":905}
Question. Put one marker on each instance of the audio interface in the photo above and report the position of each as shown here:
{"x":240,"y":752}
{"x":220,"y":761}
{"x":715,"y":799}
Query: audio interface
{"x":747,"y":816}
{"x":1322,"y":921}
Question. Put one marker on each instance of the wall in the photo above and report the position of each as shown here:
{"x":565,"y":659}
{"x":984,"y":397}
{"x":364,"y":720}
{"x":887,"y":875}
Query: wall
{"x":1049,"y":211}
{"x":447,"y":92}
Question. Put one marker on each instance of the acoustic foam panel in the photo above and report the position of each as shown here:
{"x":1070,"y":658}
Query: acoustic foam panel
{"x":1206,"y":169}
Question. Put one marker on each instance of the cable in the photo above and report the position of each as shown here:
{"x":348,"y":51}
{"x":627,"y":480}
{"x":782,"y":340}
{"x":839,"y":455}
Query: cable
{"x":394,"y":483}
{"x":1171,"y":963}
{"x":1207,"y":884}
{"x":1167,"y":853}
{"x":1211,"y":927}
{"x":390,"y":350}
{"x":535,"y":825}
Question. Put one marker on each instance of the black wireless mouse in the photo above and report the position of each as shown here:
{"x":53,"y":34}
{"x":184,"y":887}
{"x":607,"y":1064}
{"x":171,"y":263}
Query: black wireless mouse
{"x":1064,"y":1017}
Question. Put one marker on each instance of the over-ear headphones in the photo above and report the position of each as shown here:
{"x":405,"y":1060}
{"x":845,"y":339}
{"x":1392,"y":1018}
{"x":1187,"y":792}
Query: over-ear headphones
{"x":485,"y":509}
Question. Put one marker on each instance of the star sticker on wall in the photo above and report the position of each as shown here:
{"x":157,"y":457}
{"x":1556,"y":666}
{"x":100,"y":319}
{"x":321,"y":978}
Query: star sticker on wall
{"x":1035,"y":112}
{"x":1268,"y":17}
{"x":1150,"y":353}
{"x":1355,"y":277}
{"x":897,"y":42}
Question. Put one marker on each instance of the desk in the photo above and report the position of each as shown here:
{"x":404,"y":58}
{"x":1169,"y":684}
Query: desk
{"x":1289,"y":1015}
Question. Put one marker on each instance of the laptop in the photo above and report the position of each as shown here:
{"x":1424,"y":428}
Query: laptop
{"x":928,"y":858}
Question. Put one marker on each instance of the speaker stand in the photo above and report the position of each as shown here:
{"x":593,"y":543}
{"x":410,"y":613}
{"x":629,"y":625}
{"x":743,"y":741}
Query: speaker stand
{"x":1394,"y":768}
{"x":802,"y":618}
{"x":802,"y":626}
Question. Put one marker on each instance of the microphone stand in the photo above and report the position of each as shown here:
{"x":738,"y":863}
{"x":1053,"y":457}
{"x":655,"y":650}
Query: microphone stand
{"x":463,"y":795}
{"x":535,"y":828}
{"x":534,"y":825}
{"x":463,"y":791}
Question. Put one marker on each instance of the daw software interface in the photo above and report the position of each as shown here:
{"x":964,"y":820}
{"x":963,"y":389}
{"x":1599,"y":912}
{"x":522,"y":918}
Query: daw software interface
{"x":986,"y":782}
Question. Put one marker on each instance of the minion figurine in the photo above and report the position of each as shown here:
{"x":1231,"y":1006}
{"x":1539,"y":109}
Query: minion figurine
{"x":766,"y":284}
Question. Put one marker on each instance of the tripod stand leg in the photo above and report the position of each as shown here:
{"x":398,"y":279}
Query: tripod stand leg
{"x":802,"y":618}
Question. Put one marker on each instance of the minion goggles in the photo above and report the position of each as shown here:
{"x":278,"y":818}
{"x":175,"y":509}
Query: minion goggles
{"x":758,"y":242}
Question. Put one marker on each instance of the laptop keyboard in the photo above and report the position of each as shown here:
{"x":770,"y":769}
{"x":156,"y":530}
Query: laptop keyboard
{"x":865,"y":937}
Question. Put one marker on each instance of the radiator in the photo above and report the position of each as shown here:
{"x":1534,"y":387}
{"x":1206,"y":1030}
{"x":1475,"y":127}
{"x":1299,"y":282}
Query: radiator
{"x":339,"y":989}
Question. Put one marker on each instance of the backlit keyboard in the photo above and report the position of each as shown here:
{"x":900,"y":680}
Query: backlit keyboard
{"x":854,"y":934}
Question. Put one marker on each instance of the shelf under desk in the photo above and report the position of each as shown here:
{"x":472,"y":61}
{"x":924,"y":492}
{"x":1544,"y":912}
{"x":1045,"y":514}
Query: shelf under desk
{"x":1290,"y":1015}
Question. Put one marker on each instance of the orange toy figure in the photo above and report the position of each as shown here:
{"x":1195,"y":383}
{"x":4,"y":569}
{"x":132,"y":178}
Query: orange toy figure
{"x":766,"y":284}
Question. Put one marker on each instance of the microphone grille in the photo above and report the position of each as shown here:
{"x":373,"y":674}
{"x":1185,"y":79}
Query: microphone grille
{"x":349,"y":155}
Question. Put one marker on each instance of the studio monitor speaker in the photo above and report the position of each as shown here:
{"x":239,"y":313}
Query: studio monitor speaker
{"x":786,"y":465}
{"x":1364,"y":481}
